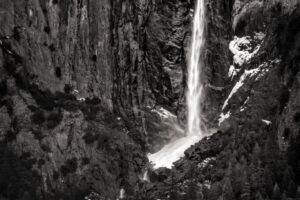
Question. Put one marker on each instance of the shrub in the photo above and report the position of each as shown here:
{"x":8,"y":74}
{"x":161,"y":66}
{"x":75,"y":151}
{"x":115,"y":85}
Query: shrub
{"x":52,"y":47}
{"x":67,"y":88}
{"x":85,"y":161}
{"x":89,"y":137}
{"x":38,"y":135}
{"x":3,"y":88}
{"x":16,"y":33}
{"x":94,"y":58}
{"x":38,"y":117}
{"x":55,"y":175}
{"x":43,"y":98}
{"x":71,"y":105}
{"x":41,"y":162}
{"x":93,"y":101}
{"x":103,"y":141}
{"x":16,"y":175}
{"x":11,"y":135}
{"x":69,"y":167}
{"x":297,"y":117}
{"x":32,"y":108}
{"x":90,"y":112}
{"x":54,"y":119}
{"x":47,"y":29}
{"x":286,"y":133}
{"x":284,"y":97}
{"x":9,"y":106}
{"x":45,"y":148}
{"x":58,"y":72}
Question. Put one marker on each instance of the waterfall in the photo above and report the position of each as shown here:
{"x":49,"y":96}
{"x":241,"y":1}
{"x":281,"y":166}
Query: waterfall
{"x":194,"y":72}
{"x":175,"y":149}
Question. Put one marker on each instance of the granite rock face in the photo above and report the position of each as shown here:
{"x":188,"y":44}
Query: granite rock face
{"x":76,"y":80}
{"x":87,"y":88}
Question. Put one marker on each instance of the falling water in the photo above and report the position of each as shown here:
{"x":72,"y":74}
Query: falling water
{"x":194,"y":71}
{"x":175,"y":149}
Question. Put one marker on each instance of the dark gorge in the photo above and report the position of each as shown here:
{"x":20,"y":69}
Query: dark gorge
{"x":90,"y":90}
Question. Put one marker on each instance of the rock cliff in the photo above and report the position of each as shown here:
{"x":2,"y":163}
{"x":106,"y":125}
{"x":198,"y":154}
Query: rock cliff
{"x":88,"y":87}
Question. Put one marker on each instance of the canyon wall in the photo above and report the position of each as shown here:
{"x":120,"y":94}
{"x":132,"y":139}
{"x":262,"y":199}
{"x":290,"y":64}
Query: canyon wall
{"x":87,"y":87}
{"x":80,"y":84}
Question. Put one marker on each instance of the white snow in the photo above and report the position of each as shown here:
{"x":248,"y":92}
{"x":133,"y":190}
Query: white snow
{"x":232,"y":72}
{"x":248,"y":73}
{"x":242,"y":56}
{"x":259,"y":36}
{"x":30,"y":13}
{"x":223,"y":117}
{"x":146,"y":176}
{"x":266,"y":121}
{"x":235,"y":88}
{"x":122,"y":193}
{"x":207,"y":183}
{"x":163,"y":113}
{"x":242,"y":49}
{"x":172,"y":152}
{"x":244,"y":105}
{"x":81,"y":99}
{"x":205,"y":162}
{"x":50,"y":3}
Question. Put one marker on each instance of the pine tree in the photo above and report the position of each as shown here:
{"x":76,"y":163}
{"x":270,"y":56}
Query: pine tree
{"x":258,"y":196}
{"x":237,"y":178}
{"x":256,"y":154}
{"x":283,"y":197}
{"x":227,"y":190}
{"x":268,"y":181}
{"x":246,"y":190}
{"x":287,"y":176}
{"x":215,"y":191}
{"x":276,"y":193}
{"x":298,"y":193}
{"x":291,"y":189}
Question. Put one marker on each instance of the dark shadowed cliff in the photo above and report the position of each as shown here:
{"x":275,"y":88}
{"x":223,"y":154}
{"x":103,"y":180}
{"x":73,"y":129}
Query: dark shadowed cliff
{"x":88,"y":87}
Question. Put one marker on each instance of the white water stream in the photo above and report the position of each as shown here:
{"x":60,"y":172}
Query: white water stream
{"x":175,"y":149}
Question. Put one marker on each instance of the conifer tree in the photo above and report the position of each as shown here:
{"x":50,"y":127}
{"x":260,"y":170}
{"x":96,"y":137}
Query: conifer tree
{"x":298,"y":193}
{"x":276,"y":193}
{"x":291,"y":189}
{"x":227,"y":190}
{"x":256,"y":154}
{"x":246,"y":190}
{"x":268,"y":181}
{"x":258,"y":196}
{"x":287,"y":176}
{"x":215,"y":191}
{"x":237,"y":178}
{"x":283,"y":197}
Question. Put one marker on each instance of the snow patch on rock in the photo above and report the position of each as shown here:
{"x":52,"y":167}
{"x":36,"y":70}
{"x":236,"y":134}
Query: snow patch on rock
{"x":232,"y":72}
{"x":163,"y":113}
{"x":260,"y":71}
{"x":205,"y":162}
{"x":266,"y":121}
{"x":242,"y":48}
{"x":223,"y":117}
{"x":244,"y":105}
